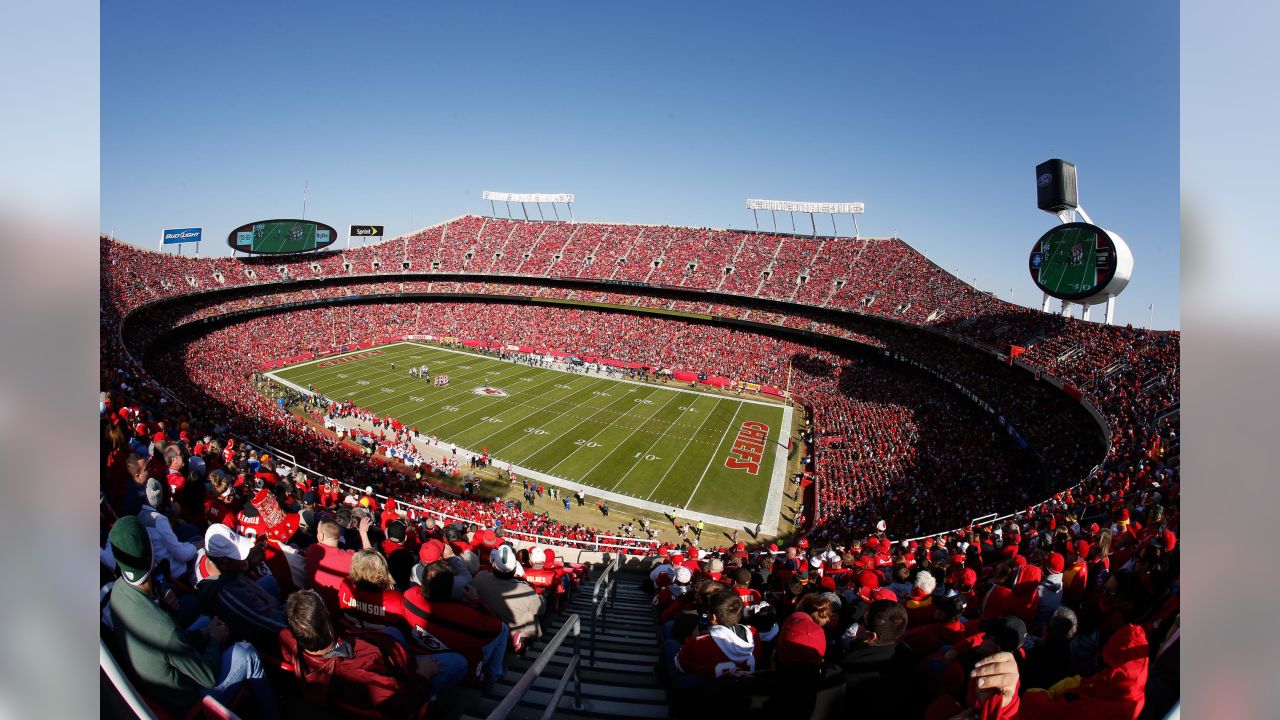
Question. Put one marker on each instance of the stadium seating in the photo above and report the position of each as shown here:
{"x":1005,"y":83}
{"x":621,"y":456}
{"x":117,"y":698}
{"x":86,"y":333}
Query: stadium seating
{"x":892,"y":455}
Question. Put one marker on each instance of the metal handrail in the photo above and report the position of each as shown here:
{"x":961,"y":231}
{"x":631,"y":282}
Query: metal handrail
{"x":534,"y":538}
{"x":603,"y":601}
{"x":122,"y":684}
{"x":571,"y":626}
{"x":609,"y":570}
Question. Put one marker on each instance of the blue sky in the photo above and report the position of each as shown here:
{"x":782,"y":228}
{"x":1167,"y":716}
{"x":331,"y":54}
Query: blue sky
{"x":933,"y":114}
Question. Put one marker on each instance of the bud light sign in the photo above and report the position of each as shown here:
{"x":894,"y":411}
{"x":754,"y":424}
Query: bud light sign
{"x":182,"y":235}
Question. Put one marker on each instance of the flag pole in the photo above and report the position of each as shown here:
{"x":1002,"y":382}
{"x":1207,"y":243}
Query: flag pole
{"x":305,"y":183}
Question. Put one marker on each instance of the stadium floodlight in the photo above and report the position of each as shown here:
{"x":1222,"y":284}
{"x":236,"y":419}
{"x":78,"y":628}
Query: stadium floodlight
{"x":528,"y":197}
{"x":852,"y":209}
{"x":521,"y":198}
{"x":822,"y":208}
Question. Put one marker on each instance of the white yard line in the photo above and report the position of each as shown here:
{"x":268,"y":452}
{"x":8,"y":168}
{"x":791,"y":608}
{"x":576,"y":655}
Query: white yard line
{"x":715,"y":454}
{"x":594,"y":435}
{"x":621,"y":380}
{"x":624,"y":440}
{"x":654,"y":444}
{"x":406,"y":386}
{"x":683,"y":450}
{"x":537,"y":410}
{"x":614,"y":496}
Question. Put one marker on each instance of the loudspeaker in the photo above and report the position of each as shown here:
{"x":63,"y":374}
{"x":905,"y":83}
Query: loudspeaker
{"x":1056,"y":186}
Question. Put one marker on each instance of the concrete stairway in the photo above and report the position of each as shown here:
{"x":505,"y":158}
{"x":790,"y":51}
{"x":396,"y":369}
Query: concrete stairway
{"x":620,"y":684}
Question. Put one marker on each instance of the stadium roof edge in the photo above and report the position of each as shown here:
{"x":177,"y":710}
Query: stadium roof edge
{"x":576,"y":222}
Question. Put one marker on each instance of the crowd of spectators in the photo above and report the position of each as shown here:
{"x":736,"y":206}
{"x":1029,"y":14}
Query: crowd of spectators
{"x":888,"y":453}
{"x":879,"y":276}
{"x":909,"y":444}
{"x":1047,"y":615}
{"x":227,"y":574}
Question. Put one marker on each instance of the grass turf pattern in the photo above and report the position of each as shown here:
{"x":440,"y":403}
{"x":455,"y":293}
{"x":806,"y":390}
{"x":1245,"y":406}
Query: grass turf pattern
{"x":658,"y":443}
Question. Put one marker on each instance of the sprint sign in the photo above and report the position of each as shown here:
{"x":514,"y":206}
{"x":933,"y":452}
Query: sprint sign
{"x":748,"y":447}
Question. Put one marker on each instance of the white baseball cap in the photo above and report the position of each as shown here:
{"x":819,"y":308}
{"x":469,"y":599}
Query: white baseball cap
{"x":221,"y":541}
{"x":503,"y":559}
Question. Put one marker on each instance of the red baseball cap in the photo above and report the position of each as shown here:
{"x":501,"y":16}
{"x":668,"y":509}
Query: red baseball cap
{"x":801,"y":641}
{"x":431,"y":551}
{"x":1055,"y":563}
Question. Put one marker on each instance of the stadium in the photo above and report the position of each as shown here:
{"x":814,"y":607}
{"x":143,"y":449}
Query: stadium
{"x":788,"y":433}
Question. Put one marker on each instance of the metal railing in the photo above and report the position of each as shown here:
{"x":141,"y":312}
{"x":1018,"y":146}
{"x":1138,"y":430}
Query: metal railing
{"x":603,"y":543}
{"x":121,"y":682}
{"x":602,"y":595}
{"x":572,"y":626}
{"x":130,"y":695}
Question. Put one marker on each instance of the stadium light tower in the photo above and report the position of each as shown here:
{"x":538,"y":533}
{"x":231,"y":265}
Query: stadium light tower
{"x":852,"y":209}
{"x":1077,"y":262}
{"x":522,"y":198}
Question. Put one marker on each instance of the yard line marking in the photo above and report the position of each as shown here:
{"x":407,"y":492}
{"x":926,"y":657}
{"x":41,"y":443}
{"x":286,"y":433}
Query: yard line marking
{"x":537,"y":409}
{"x":474,"y":399}
{"x":375,"y":372}
{"x":683,"y":450}
{"x":628,"y":437}
{"x":625,"y":380}
{"x":593,"y":435}
{"x":715,"y":455}
{"x":654,"y":444}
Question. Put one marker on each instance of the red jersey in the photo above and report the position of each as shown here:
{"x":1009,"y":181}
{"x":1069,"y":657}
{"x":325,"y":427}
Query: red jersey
{"x":176,"y":481}
{"x":542,"y":579}
{"x":931,"y":638}
{"x":268,"y":478}
{"x":450,"y":626}
{"x":750,"y":598}
{"x":372,"y":607}
{"x":218,"y":512}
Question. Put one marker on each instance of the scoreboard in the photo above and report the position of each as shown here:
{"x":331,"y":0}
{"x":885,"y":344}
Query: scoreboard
{"x":281,"y":236}
{"x":1080,"y":262}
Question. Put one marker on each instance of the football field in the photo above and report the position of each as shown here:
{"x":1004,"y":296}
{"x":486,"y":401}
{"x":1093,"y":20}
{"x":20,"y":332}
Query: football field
{"x":717,"y":457}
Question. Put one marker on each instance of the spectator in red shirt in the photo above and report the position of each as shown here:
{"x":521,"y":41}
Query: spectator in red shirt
{"x":947,"y":630}
{"x":722,"y":646}
{"x":328,"y":565}
{"x":355,"y":674}
{"x":222,"y":507}
{"x":173,"y":460}
{"x":442,"y":624}
{"x":368,"y":599}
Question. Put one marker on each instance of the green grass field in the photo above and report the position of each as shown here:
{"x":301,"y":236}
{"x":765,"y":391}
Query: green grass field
{"x":650,"y":445}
